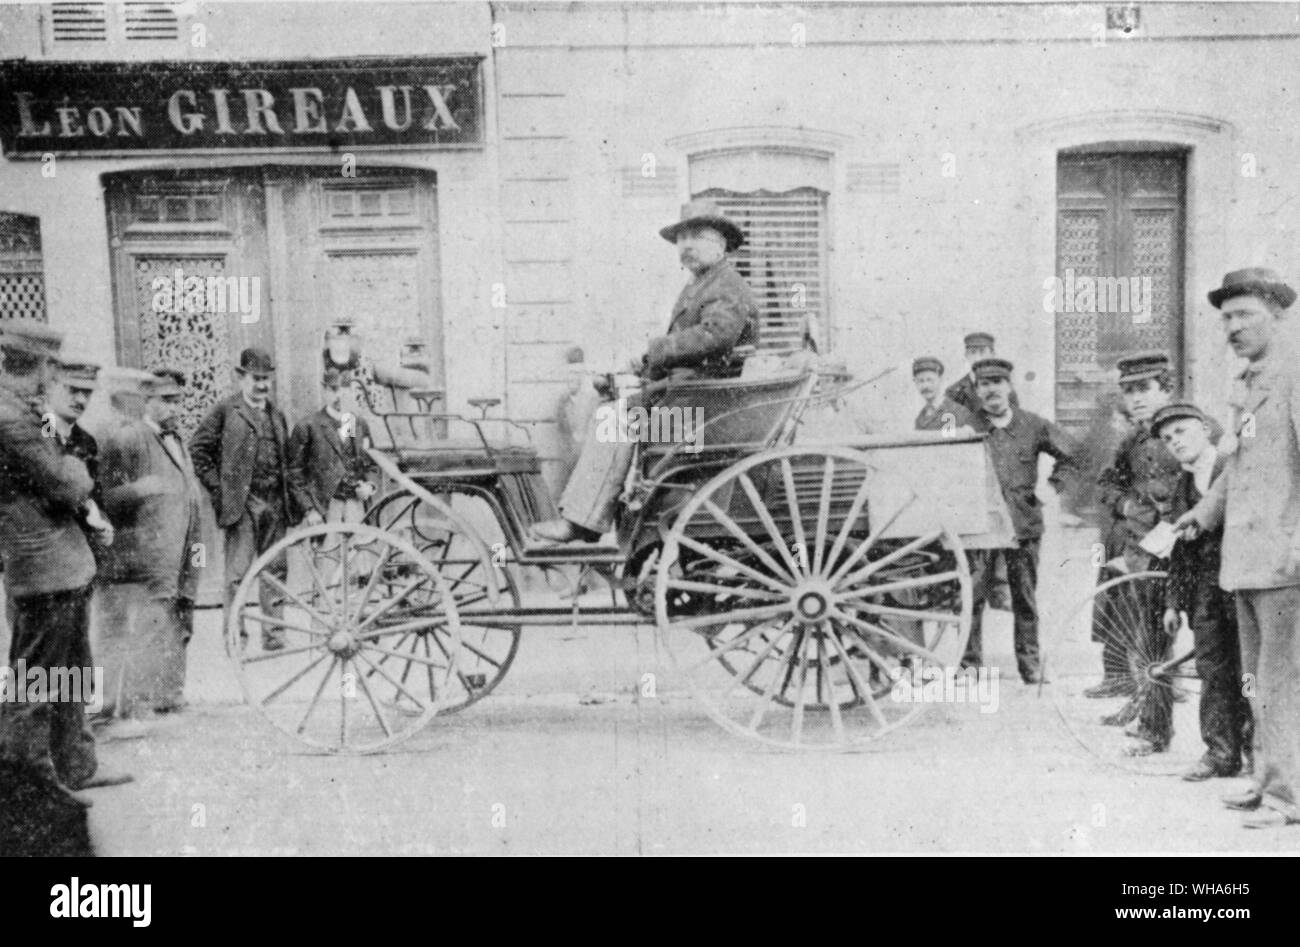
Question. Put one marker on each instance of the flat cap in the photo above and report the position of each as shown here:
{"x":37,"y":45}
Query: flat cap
{"x":978,"y":340}
{"x":992,"y":368}
{"x":35,"y":338}
{"x":1142,"y":366}
{"x":926,"y":363}
{"x":1172,"y":412}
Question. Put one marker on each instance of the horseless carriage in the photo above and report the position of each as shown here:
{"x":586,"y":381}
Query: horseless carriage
{"x":793,"y":581}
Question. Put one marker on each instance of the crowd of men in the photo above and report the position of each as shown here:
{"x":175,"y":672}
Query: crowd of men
{"x":118,"y":525}
{"x":107,"y":533}
{"x":1233,"y":501}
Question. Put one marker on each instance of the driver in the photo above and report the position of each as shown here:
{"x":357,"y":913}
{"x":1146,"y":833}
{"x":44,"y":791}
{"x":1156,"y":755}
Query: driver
{"x":714,"y":314}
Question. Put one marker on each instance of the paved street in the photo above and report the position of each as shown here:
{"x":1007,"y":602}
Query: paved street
{"x":564,"y":759}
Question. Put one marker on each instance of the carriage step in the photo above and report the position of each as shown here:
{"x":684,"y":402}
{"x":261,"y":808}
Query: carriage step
{"x":544,"y":552}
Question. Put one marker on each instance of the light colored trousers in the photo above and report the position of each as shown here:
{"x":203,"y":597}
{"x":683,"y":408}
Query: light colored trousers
{"x":1269,"y":624}
{"x":591,"y":496}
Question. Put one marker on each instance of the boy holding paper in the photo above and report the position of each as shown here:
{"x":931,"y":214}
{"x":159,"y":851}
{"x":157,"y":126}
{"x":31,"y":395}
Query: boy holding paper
{"x":1193,"y":588}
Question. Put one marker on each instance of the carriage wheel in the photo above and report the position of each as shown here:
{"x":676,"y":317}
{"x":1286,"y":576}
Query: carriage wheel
{"x":1155,"y":690}
{"x":341,"y":597}
{"x":488,"y":648}
{"x":795,"y":613}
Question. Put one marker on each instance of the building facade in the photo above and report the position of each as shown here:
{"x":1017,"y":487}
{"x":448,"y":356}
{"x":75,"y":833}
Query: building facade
{"x":1071,"y":178}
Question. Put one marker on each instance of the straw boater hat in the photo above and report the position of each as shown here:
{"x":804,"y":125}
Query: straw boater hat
{"x":705,"y":214}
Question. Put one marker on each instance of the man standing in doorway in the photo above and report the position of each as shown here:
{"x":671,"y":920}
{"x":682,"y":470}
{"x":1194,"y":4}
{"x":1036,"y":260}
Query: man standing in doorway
{"x":240,"y":455}
{"x":1257,"y":500}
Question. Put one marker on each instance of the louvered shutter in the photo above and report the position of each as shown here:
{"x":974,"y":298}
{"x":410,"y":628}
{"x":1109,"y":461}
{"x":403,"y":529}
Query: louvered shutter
{"x":784,"y":259}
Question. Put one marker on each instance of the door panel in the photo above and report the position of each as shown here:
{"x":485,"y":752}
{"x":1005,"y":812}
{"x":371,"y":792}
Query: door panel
{"x":1118,"y":215}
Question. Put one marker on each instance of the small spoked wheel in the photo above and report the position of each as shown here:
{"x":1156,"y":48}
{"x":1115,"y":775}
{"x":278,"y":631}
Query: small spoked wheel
{"x":806,"y":601}
{"x":1126,"y":691}
{"x":319,"y":629}
{"x":489,"y":644}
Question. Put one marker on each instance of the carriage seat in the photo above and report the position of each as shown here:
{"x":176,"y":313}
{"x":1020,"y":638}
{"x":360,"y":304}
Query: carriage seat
{"x":731,"y":411}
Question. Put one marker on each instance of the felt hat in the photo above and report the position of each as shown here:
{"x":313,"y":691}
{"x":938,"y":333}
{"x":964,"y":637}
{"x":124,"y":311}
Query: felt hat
{"x":703,"y":213}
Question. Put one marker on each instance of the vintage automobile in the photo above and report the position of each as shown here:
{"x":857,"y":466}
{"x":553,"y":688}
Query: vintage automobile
{"x":793,"y":582}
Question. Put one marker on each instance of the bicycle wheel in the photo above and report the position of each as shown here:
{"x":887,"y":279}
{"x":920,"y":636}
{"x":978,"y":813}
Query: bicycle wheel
{"x":1113,"y":642}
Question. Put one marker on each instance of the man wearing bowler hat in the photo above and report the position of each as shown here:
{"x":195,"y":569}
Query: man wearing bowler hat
{"x":978,"y":345}
{"x":714,"y":314}
{"x":240,"y":455}
{"x":1015,"y":438}
{"x":1257,"y":501}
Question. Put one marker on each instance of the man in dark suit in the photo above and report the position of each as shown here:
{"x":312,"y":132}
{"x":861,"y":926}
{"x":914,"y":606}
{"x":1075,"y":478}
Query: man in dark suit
{"x":48,"y":569}
{"x":714,"y":314}
{"x":149,"y":579}
{"x":241,"y":457}
{"x":331,"y":476}
{"x":1015,"y":439}
{"x":939,"y":413}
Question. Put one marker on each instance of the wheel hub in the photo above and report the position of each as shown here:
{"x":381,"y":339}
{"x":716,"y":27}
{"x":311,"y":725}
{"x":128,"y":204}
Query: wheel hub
{"x":342,"y":643}
{"x":811,"y":601}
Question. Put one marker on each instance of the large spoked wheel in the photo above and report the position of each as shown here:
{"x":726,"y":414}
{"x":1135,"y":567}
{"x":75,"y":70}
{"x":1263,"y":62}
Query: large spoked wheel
{"x":489,"y":644}
{"x":802,"y":614}
{"x":314,"y":632}
{"x":1121,"y":686}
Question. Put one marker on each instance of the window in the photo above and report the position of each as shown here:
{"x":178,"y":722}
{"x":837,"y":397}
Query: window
{"x":22,"y":276}
{"x":778,"y":197}
{"x":784,"y":260}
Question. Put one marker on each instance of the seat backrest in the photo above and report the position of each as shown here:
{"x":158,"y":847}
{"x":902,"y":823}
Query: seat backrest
{"x":730,"y":410}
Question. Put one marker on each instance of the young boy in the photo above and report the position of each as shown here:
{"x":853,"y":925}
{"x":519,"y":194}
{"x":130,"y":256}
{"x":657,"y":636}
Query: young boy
{"x":330,"y":474}
{"x":1193,"y":588}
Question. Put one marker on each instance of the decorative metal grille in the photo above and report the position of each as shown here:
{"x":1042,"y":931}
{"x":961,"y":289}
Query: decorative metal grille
{"x":196,"y":342}
{"x":22,"y":282}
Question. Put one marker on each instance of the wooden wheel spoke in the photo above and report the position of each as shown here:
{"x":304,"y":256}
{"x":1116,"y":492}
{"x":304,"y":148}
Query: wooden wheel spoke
{"x":726,"y":618}
{"x":892,"y":637}
{"x":464,"y":681}
{"x":284,"y":590}
{"x":315,"y":699}
{"x":860,"y":685}
{"x":396,"y":686}
{"x":374,"y":705}
{"x":866,"y":545}
{"x":732,"y":527}
{"x":737,"y":591}
{"x":418,"y":624}
{"x":264,"y":619}
{"x":906,"y":549}
{"x":319,"y":581}
{"x":403,"y":657}
{"x":293,"y":680}
{"x":900,"y":585}
{"x":719,"y":556}
{"x":823,"y":516}
{"x":732,"y":645}
{"x":393,"y":603}
{"x":949,"y":618}
{"x":792,"y":502}
{"x":370,"y":585}
{"x":769,"y":524}
{"x":282,"y":653}
{"x":743,"y":678}
{"x":846,"y":528}
{"x":796,"y":720}
{"x":823,"y":664}
{"x":769,"y":692}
